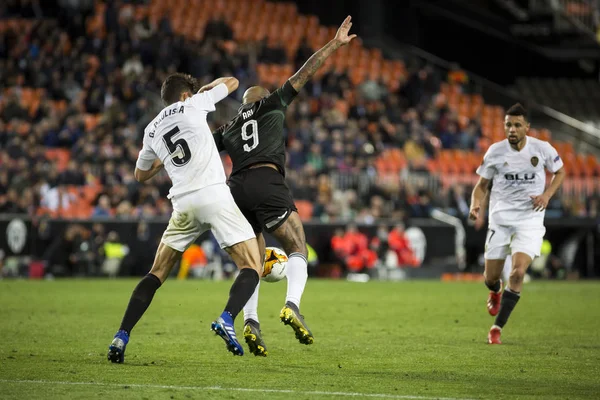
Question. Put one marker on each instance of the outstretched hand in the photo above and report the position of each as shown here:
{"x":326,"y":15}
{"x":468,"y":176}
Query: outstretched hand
{"x":474,"y":213}
{"x":540,"y":203}
{"x":342,"y":36}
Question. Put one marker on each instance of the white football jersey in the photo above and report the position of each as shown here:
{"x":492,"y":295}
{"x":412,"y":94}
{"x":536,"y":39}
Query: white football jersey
{"x":180,"y":137}
{"x":518,"y":175}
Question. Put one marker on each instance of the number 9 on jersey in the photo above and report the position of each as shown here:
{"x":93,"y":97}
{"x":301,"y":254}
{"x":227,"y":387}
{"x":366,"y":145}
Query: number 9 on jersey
{"x":252,"y":127}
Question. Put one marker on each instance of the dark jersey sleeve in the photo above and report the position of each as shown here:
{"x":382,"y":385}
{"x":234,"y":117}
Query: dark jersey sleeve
{"x":283,"y":96}
{"x":218,"y":136}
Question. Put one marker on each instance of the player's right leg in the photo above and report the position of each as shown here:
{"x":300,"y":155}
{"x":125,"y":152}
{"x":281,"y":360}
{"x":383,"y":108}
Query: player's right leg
{"x":492,"y":275}
{"x":252,"y":332}
{"x":291,"y":236}
{"x":496,"y":251}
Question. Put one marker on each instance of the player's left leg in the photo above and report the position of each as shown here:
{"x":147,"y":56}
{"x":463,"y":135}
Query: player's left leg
{"x":245,"y":255}
{"x":291,"y":237}
{"x":141,"y":298}
{"x":247,"y":204}
{"x":525,"y":246}
{"x":252,"y":332}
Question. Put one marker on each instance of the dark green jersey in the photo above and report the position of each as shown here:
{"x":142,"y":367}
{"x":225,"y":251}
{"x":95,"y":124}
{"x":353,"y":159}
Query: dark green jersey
{"x":255,"y":135}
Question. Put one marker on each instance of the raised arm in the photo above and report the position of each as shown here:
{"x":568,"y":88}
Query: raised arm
{"x":306,"y":72}
{"x":231,"y":83}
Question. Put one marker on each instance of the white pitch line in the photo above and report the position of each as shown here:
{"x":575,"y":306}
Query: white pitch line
{"x":225,"y":389}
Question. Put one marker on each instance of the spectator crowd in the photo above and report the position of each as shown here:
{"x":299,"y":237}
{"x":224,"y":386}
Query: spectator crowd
{"x":56,"y":76}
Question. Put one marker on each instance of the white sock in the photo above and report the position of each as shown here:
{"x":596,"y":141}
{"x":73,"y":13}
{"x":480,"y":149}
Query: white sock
{"x":251,"y":307}
{"x":297,"y":274}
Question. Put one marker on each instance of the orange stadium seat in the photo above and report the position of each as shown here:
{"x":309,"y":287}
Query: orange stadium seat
{"x":91,"y":121}
{"x":60,"y":156}
{"x":305,"y":209}
{"x":545,"y":135}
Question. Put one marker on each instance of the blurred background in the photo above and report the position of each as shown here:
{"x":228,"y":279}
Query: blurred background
{"x":382,"y":145}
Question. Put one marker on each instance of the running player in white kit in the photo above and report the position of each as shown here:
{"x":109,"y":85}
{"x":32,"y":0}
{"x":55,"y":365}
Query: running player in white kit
{"x":180,"y":141}
{"x":518,"y":201}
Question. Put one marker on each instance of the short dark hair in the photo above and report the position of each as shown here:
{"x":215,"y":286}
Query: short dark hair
{"x":175,"y":85}
{"x":517,"y":110}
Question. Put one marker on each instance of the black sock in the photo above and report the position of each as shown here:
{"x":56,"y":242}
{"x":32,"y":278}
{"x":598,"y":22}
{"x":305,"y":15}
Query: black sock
{"x":241,"y":291}
{"x":140,"y":300}
{"x":507,"y":304}
{"x":495,"y":287}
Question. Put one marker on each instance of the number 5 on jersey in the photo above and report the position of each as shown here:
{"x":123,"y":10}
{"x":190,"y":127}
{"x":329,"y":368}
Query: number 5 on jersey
{"x":252,"y":127}
{"x":184,"y":155}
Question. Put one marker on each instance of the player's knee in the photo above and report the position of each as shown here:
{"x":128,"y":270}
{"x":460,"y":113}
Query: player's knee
{"x":246,"y":255}
{"x":163,"y":268}
{"x":165,"y":260}
{"x":492,"y":275}
{"x":517,"y":275}
{"x":160,"y":271}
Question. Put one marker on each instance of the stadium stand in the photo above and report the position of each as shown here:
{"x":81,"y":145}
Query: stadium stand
{"x":575,"y":97}
{"x":371,"y":137}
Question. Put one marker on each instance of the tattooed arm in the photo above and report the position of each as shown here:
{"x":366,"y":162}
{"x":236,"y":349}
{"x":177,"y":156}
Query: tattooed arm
{"x":311,"y":66}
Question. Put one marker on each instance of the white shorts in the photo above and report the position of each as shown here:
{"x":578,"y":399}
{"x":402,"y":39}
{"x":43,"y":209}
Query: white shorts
{"x":211,"y":208}
{"x":504,"y":240}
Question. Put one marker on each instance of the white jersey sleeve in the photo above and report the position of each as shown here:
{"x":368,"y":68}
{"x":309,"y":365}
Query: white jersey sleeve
{"x":206,"y":100}
{"x":552,"y":161}
{"x":486,"y":169}
{"x":146,"y":157}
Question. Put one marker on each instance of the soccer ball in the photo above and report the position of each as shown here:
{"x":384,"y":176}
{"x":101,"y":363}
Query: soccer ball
{"x":275,"y":264}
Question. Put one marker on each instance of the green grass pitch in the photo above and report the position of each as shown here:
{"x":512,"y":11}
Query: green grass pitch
{"x":408,"y":340}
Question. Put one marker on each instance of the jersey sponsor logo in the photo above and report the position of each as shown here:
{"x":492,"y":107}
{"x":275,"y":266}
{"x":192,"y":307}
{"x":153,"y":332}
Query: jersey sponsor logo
{"x":535,"y":161}
{"x":520,"y":178}
{"x":557,"y":158}
{"x":247,"y":114}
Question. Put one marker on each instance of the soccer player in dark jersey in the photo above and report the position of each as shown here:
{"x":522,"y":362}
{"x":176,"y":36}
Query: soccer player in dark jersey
{"x":255,"y":143}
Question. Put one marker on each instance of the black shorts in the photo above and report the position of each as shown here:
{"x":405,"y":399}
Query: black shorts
{"x":263,"y":197}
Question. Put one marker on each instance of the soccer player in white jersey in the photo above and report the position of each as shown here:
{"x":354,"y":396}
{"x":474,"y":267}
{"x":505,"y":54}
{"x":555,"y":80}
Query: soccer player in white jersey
{"x":518,"y":201}
{"x":180,"y":141}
